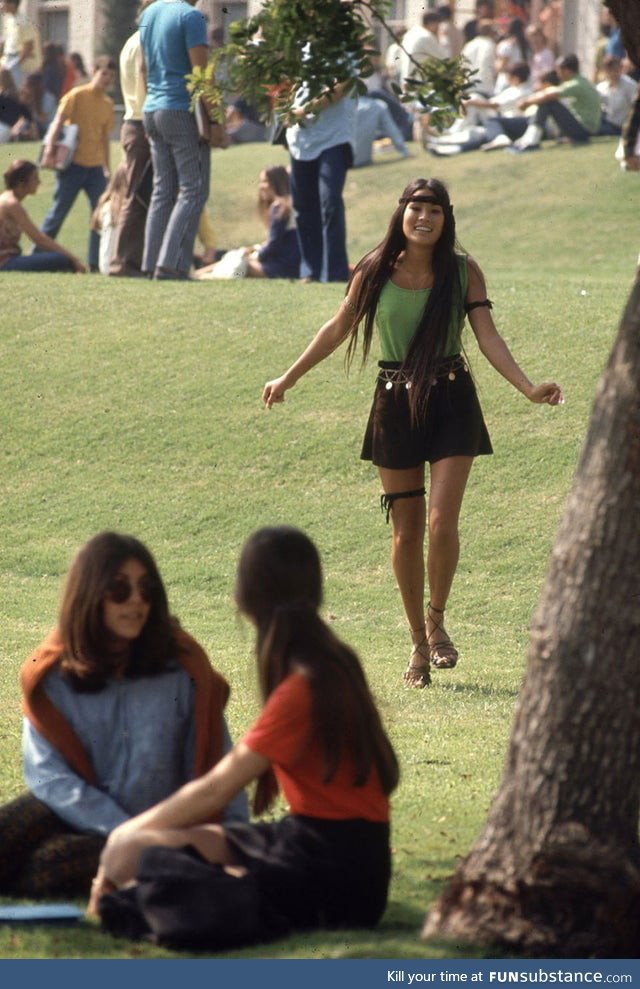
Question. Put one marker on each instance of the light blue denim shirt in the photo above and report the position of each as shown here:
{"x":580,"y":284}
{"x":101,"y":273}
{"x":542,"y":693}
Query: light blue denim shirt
{"x":333,"y":126}
{"x":139,"y":735}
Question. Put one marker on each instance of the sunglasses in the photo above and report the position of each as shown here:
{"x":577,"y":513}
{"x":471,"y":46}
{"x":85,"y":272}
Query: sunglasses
{"x":120,"y":590}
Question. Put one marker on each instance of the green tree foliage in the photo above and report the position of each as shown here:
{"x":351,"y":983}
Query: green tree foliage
{"x":292,"y":42}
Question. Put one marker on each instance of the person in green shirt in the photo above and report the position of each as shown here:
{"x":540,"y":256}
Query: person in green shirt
{"x":415,"y":290}
{"x":574,"y":105}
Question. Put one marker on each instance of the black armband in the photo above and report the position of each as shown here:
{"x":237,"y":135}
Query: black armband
{"x":487,"y":303}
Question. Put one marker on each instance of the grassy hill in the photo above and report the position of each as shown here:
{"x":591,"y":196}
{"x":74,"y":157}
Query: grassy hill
{"x":136,"y":405}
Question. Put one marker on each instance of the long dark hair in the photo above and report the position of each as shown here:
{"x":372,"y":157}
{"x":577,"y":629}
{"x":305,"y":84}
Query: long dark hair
{"x":279,"y":587}
{"x":515,"y":29}
{"x":278,"y":178}
{"x":444,"y":300}
{"x":88,"y":658}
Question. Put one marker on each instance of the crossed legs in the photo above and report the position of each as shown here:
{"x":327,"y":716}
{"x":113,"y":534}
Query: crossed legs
{"x":410,"y":518}
{"x":120,"y":859}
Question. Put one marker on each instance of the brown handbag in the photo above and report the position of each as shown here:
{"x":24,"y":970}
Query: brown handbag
{"x":210,"y":131}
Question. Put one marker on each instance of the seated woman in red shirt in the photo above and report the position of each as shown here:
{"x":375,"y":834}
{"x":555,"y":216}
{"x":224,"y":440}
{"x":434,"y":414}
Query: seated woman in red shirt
{"x":319,"y":739}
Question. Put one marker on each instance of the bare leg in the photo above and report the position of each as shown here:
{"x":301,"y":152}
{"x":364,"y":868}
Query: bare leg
{"x":254,"y":267}
{"x":408,"y":516}
{"x":448,"y":482}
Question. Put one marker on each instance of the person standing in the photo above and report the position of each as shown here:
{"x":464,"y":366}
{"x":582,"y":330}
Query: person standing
{"x":421,"y":42}
{"x":322,"y":149}
{"x":129,"y":235}
{"x":22,"y":49}
{"x":416,"y":289}
{"x":174,"y":42}
{"x":91,"y":110}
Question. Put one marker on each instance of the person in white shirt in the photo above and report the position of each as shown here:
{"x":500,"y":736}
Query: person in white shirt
{"x":489,"y":121}
{"x":21,"y":45}
{"x":480,"y":54}
{"x":617,"y":96}
{"x":450,"y":37}
{"x":421,"y":42}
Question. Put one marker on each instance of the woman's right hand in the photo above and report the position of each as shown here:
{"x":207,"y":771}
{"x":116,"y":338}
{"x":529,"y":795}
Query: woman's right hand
{"x":273,"y":391}
{"x":48,"y":159}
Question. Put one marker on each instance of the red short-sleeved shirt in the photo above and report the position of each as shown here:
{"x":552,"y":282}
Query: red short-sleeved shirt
{"x":281,"y":734}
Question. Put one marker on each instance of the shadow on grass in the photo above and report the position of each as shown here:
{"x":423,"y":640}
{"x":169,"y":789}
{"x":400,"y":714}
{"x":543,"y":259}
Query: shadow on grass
{"x":478,"y":690}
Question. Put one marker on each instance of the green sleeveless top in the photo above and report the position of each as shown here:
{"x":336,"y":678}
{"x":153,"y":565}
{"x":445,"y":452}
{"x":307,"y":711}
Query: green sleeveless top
{"x":399,"y":312}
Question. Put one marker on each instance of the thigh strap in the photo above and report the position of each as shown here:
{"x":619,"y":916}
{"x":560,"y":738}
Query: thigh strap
{"x":387,"y":500}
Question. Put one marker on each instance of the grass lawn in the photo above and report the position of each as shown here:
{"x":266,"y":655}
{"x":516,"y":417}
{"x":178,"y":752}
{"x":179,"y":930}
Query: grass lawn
{"x":136,"y":405}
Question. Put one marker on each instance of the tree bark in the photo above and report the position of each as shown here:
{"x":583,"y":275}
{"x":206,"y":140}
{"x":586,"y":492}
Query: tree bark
{"x":627,"y":14}
{"x":556,"y":871}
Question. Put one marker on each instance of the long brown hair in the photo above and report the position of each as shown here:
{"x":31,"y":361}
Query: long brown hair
{"x":444,"y":300}
{"x":278,"y":178}
{"x":88,"y":656}
{"x":279,"y":587}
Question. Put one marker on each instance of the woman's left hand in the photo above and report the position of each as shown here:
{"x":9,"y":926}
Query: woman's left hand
{"x":99,"y":887}
{"x":548,"y":392}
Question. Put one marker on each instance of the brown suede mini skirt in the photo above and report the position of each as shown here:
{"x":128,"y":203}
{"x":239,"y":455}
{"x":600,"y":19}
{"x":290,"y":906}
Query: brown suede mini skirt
{"x":453,"y":424}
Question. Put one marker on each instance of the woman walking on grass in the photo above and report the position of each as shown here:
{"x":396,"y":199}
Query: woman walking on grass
{"x":415,"y":288}
{"x":319,"y":739}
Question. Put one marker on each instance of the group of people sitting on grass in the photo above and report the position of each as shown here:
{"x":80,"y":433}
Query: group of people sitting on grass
{"x":277,"y":256}
{"x":131,"y":773}
{"x":563,"y":105}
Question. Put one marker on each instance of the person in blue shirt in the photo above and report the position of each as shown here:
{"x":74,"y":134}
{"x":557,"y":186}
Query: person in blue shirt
{"x":121,"y":708}
{"x":322,"y":147}
{"x":174,"y":41}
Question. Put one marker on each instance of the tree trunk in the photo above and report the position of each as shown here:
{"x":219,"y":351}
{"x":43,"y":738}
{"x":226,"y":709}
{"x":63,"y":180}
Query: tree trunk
{"x":627,"y":14}
{"x":556,"y":871}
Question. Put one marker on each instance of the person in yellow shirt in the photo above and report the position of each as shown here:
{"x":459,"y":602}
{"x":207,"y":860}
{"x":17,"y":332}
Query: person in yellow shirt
{"x":21,"y":45}
{"x":91,"y":110}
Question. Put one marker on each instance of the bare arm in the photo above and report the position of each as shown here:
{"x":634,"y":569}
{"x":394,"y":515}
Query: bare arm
{"x":480,"y":103}
{"x":495,"y":349}
{"x":327,"y":339}
{"x":26,"y":51}
{"x":547,"y":95}
{"x":198,"y":56}
{"x":107,"y":154}
{"x":195,"y":803}
{"x":324,"y":101}
{"x":53,"y":133}
{"x":41,"y":239}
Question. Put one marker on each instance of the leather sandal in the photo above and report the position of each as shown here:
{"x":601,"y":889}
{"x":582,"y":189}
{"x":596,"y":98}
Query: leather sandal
{"x":417,"y":675}
{"x":443,"y":654}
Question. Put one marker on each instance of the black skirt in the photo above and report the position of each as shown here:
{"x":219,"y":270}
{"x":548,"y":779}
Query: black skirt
{"x":314,"y":872}
{"x":453,"y":425}
{"x":303,"y":873}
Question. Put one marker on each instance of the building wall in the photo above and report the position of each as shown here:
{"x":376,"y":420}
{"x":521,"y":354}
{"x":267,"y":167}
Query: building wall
{"x":77,"y":23}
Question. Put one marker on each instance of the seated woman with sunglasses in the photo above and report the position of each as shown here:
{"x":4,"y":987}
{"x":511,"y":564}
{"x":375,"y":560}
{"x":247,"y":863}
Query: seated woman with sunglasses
{"x":122,"y":707}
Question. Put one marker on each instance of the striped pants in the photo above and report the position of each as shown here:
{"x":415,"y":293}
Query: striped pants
{"x":181,"y":171}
